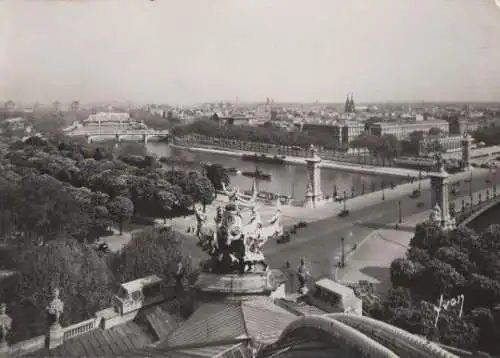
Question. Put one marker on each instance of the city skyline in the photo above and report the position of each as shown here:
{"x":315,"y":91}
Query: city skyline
{"x":194,"y":51}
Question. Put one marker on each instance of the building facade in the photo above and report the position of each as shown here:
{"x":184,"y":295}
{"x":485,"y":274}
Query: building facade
{"x":451,"y":144}
{"x":351,"y":130}
{"x":402,"y":130}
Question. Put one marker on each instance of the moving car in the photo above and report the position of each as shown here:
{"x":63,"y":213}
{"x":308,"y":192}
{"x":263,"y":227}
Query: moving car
{"x":415,"y":194}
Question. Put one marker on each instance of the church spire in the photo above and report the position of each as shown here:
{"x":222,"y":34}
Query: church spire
{"x":352,"y":106}
{"x":347,"y":107}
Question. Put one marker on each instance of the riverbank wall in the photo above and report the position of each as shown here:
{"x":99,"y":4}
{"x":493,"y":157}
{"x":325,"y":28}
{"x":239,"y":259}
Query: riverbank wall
{"x":353,"y":168}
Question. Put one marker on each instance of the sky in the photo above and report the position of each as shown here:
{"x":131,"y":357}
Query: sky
{"x":188,"y":51}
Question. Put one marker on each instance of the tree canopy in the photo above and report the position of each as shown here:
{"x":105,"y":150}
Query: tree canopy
{"x":449,"y":264}
{"x":50,"y":189}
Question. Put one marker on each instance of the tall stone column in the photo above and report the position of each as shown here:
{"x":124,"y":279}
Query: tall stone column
{"x":313,"y":194}
{"x":466,"y":151}
{"x":439,"y":197}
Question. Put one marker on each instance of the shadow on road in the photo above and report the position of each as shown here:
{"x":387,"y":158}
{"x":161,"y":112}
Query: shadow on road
{"x":376,"y":226}
{"x":382,"y":275}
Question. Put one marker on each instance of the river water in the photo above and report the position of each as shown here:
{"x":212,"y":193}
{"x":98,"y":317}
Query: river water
{"x":285,"y":179}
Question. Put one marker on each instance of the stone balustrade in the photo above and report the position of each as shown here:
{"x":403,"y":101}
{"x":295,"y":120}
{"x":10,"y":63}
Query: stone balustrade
{"x":80,"y":328}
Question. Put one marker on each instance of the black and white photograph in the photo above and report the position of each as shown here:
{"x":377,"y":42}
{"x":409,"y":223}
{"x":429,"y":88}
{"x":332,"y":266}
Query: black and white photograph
{"x":250,"y":178}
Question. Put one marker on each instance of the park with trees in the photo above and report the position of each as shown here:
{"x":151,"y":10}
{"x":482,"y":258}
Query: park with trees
{"x":259,"y":134}
{"x":385,"y":148}
{"x":58,"y":196}
{"x":452,"y":263}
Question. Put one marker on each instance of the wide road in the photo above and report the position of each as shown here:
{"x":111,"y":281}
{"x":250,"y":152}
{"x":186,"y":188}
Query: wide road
{"x":320,"y":241}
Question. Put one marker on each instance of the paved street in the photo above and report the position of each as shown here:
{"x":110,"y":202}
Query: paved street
{"x":320,"y":241}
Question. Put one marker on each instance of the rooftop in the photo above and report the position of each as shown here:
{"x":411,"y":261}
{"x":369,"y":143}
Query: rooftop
{"x":333,"y":286}
{"x":138,"y":284}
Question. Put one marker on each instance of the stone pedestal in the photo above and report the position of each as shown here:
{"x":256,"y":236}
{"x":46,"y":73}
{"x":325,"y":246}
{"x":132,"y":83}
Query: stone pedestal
{"x":55,"y":337}
{"x":439,"y":198}
{"x":4,"y":350}
{"x":238,"y":284}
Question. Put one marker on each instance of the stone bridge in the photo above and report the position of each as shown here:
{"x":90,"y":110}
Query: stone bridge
{"x":145,"y":134}
{"x":467,"y":212}
{"x":362,"y":336}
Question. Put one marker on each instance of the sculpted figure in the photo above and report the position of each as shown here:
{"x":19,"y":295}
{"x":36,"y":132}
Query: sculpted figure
{"x":435,"y":215}
{"x":201,"y":220}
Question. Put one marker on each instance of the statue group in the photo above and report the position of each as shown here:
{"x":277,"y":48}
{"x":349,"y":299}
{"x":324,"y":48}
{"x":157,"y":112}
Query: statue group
{"x":235,"y":244}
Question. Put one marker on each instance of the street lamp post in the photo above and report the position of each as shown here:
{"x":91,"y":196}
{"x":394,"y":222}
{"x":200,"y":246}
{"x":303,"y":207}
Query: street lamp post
{"x":342,"y":258}
{"x":400,"y":211}
{"x":345,"y":201}
{"x":383,"y":193}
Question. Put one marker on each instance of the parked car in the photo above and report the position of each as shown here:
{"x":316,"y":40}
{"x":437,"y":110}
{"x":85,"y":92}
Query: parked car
{"x":301,"y":224}
{"x":420,"y":204}
{"x":286,"y":237}
{"x":344,"y":213}
{"x":103,"y":247}
{"x":455,"y":191}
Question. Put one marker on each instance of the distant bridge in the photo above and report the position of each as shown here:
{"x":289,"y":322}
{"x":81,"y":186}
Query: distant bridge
{"x":119,"y":134}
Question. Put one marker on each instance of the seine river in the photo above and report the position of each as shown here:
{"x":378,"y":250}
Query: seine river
{"x":285,"y":179}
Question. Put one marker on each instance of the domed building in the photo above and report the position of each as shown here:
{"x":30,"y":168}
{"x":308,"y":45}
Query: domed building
{"x":242,"y":310}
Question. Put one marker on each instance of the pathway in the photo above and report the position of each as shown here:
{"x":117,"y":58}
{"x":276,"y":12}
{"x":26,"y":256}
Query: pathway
{"x":375,"y":253}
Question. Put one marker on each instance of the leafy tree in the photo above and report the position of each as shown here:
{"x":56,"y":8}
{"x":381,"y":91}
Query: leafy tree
{"x":85,"y":282}
{"x":157,"y":251}
{"x":165,"y":202}
{"x":489,"y":135}
{"x":481,"y":291}
{"x":45,"y":206}
{"x":200,"y":188}
{"x":435,"y":131}
{"x":217,"y":174}
{"x":411,"y":145}
{"x":457,"y":259}
{"x":439,"y":278}
{"x":402,"y":272}
{"x":120,"y":209}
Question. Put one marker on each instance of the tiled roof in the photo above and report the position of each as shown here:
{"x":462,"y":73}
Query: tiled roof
{"x":223,"y":351}
{"x":212,"y":322}
{"x":300,"y":308}
{"x":258,"y":319}
{"x":160,"y":320}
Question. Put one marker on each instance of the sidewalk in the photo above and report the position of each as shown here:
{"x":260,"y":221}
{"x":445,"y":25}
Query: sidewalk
{"x":375,"y":253}
{"x":329,"y":209}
